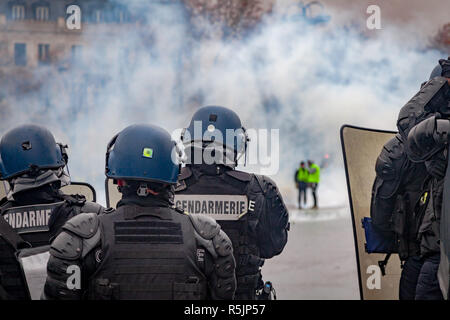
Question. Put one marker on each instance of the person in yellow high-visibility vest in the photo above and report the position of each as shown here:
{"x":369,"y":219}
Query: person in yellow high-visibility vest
{"x":301,"y":179}
{"x":313,"y":180}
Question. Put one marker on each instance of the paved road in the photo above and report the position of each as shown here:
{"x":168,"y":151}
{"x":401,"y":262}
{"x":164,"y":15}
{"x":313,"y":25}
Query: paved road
{"x":318,"y":261}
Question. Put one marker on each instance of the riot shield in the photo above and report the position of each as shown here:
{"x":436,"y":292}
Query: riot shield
{"x":112,"y":193}
{"x":444,"y":266}
{"x":82,"y":188}
{"x":33,"y":263}
{"x":360,"y":148}
{"x":2,"y":190}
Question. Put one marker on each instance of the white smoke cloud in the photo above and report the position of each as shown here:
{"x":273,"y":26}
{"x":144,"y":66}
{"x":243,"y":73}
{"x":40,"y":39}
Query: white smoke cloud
{"x":304,"y":80}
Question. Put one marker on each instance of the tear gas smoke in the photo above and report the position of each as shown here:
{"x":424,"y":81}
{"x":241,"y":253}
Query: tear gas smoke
{"x":304,"y":80}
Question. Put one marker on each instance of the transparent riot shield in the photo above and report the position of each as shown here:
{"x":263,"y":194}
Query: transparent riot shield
{"x":361,"y":147}
{"x":82,"y":188}
{"x":112,"y":193}
{"x":2,"y":190}
{"x":33,"y":262}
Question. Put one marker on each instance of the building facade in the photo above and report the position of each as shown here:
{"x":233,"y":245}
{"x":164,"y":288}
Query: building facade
{"x":36,"y":32}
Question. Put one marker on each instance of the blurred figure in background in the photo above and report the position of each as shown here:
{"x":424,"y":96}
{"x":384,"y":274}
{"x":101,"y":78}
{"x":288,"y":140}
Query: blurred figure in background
{"x":313,"y":180}
{"x":301,"y":181}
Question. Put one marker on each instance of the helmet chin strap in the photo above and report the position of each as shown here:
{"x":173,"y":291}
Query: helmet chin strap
{"x":144,"y":191}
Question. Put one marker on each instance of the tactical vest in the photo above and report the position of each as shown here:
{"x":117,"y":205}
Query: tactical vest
{"x":314,"y":177}
{"x":429,"y":230}
{"x":415,"y":195}
{"x":148,"y":253}
{"x":302,"y":175}
{"x":31,"y":225}
{"x":216,"y":195}
{"x":399,"y":197}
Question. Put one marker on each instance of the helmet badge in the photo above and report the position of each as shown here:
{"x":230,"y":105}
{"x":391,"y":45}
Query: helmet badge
{"x":147,"y":153}
{"x":26,"y":145}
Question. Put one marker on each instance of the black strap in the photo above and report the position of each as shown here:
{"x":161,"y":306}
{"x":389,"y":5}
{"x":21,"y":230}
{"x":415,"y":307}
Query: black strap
{"x":11,"y":236}
{"x":382,"y":264}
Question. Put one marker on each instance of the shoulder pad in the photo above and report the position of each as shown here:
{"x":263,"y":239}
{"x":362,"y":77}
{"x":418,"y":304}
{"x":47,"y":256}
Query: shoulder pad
{"x":205,"y":226}
{"x":222,"y":244}
{"x":390,"y":167}
{"x":393,"y":150}
{"x":84,"y":225}
{"x":265,"y":183}
{"x":240,"y":175}
{"x":426,"y":101}
{"x":92,"y":207}
{"x":266,"y":180}
{"x":427,"y":138}
{"x":66,"y":246}
{"x":185,"y":173}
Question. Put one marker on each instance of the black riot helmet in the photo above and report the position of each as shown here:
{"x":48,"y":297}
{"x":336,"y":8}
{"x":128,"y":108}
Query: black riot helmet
{"x":217,"y":129}
{"x":30,"y":158}
{"x":143,"y":152}
{"x":29,"y":148}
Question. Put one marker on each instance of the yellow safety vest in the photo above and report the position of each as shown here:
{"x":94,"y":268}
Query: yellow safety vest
{"x":314,"y":177}
{"x":302,"y":175}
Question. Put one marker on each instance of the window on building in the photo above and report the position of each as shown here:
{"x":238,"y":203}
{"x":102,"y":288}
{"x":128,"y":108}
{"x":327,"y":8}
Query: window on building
{"x":42,"y":13}
{"x":43,"y":53}
{"x":120,"y":17}
{"x":97,"y":16}
{"x":4,"y":55}
{"x":18,"y":12}
{"x":20,"y":54}
{"x":76,"y":53}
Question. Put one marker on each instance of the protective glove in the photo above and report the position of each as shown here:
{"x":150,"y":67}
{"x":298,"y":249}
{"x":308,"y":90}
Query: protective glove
{"x":445,"y":64}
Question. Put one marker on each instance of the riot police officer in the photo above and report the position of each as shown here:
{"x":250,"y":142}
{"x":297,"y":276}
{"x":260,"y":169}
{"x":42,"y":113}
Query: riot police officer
{"x":398,"y":201}
{"x":248,"y":207}
{"x":425,"y":137}
{"x":144,"y":249}
{"x":34,"y":167}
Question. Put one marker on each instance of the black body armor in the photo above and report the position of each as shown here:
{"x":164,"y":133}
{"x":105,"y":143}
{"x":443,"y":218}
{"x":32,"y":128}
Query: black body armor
{"x":142,"y":253}
{"x":257,"y":226}
{"x":33,"y":222}
{"x":399,"y":197}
